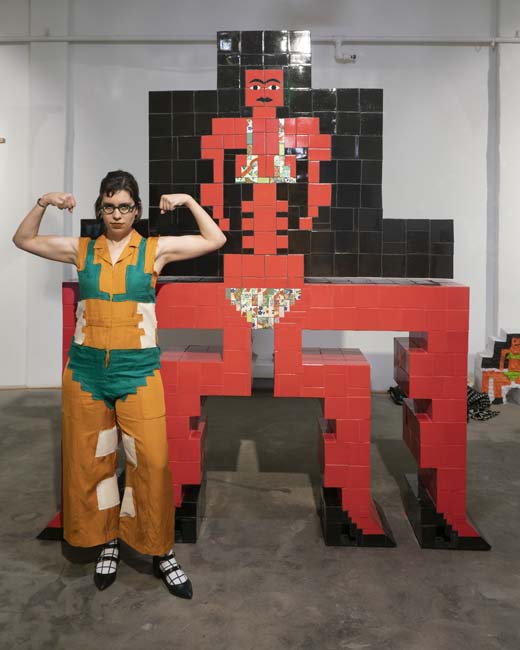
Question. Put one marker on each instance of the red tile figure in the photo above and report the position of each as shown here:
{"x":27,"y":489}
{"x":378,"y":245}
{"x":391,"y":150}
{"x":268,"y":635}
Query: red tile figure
{"x":267,"y":289}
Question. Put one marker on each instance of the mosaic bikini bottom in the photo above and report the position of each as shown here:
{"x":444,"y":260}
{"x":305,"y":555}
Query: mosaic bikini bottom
{"x":263,"y":307}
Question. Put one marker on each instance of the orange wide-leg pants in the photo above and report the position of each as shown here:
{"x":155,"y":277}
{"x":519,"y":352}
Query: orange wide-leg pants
{"x":92,"y":511}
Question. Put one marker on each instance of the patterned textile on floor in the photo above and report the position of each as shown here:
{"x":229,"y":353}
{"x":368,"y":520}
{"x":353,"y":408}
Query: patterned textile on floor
{"x":478,"y":406}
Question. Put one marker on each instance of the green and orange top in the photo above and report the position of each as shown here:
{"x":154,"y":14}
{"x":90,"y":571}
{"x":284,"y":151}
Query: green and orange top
{"x":114,"y":348}
{"x":116,"y":308}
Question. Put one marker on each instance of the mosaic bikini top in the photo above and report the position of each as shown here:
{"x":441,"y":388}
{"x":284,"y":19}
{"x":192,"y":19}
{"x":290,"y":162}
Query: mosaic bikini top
{"x":116,"y":308}
{"x":249,"y":171}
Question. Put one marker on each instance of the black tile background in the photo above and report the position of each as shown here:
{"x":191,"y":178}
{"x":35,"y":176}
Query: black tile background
{"x":349,"y":238}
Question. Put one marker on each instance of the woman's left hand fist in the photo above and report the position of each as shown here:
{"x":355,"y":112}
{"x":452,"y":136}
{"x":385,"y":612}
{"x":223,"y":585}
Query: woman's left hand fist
{"x":171,"y":201}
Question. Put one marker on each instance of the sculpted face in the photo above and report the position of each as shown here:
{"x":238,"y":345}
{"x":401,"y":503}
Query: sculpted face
{"x":515,"y":345}
{"x":264,"y":88}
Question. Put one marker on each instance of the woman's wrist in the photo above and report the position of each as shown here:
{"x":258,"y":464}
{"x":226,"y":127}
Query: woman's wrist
{"x":189,"y":201}
{"x":42,"y":205}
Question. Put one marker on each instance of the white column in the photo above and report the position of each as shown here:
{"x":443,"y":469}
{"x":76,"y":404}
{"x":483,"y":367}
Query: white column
{"x":14,"y":192}
{"x":49,"y":64}
{"x":509,"y":184}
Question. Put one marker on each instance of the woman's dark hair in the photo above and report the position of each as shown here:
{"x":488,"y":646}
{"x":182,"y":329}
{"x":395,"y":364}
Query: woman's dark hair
{"x":117,"y":181}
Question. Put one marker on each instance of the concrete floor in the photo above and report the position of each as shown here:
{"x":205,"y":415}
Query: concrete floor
{"x":262,"y":576}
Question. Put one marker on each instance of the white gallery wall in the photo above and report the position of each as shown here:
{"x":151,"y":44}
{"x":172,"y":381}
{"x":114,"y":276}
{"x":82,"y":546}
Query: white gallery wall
{"x":14,"y":198}
{"x":83,"y":109}
{"x":509,"y":180}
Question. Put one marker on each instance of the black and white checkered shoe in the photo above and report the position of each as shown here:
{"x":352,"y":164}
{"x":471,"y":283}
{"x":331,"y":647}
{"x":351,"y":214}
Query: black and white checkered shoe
{"x":106,"y":565}
{"x":171,"y":573}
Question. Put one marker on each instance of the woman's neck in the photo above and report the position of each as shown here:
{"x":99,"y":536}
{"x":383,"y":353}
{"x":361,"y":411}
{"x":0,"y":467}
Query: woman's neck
{"x":115,"y":238}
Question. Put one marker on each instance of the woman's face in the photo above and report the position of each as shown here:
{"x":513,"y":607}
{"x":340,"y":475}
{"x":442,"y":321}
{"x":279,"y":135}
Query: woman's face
{"x":118,"y":213}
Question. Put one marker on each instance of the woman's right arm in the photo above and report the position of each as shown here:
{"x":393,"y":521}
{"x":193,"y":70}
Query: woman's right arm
{"x":52,"y":247}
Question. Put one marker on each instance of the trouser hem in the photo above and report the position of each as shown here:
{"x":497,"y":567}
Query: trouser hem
{"x":148,"y":550}
{"x":83,"y":543}
{"x":140,"y":548}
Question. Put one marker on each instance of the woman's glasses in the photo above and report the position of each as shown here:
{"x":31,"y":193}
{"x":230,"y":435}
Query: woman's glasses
{"x":124,"y":208}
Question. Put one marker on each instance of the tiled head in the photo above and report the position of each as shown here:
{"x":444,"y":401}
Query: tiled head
{"x":264,"y":87}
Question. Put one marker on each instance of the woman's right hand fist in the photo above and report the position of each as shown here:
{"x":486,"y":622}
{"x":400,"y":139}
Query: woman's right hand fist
{"x":61,"y":200}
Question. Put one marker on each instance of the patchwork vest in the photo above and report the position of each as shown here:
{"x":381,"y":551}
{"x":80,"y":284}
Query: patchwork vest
{"x":114,"y":347}
{"x":116,"y":308}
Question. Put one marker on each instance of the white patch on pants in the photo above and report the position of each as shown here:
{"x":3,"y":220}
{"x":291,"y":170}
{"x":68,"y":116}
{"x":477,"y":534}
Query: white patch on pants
{"x":148,"y":324}
{"x":107,"y":493}
{"x":79,"y":335}
{"x":127,"y":504}
{"x":129,"y":445}
{"x":107,"y":442}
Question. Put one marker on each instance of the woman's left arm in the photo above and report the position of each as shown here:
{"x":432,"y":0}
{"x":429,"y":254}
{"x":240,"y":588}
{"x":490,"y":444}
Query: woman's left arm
{"x":183,"y":247}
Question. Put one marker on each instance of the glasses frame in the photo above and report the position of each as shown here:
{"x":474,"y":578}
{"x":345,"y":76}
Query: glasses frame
{"x":109,"y":209}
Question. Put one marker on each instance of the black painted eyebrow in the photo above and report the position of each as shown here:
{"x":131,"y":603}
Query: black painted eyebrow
{"x":273,"y":79}
{"x":260,"y":80}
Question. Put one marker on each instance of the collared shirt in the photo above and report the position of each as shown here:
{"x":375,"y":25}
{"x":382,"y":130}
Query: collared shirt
{"x":116,"y":309}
